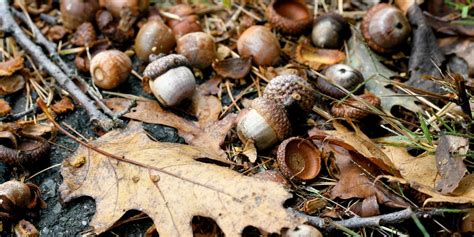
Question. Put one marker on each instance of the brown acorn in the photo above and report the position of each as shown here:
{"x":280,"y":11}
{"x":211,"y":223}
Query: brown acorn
{"x":342,"y":75}
{"x":260,"y":43}
{"x":299,"y":158}
{"x":110,"y":68}
{"x":154,"y":37}
{"x":265,"y":123}
{"x":189,"y":20}
{"x":198,"y":47}
{"x":385,"y":28}
{"x":289,"y":16}
{"x":329,"y":31}
{"x":291,"y":91}
{"x":76,"y":12}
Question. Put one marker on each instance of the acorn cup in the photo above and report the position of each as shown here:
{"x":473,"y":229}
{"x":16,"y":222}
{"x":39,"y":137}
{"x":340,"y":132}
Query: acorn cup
{"x":299,"y":159}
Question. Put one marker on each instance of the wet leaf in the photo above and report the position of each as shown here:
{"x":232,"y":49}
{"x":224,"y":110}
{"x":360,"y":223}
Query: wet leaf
{"x":10,"y":66}
{"x":317,"y":58}
{"x":62,"y":106}
{"x":172,"y":188}
{"x":234,"y":68}
{"x":450,"y":155}
{"x":4,"y":108}
{"x":377,"y":76}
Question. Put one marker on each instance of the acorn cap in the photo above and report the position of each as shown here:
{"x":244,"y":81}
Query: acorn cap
{"x":163,"y":64}
{"x":287,"y":89}
{"x":275,"y":115}
{"x":386,"y":16}
{"x":289,"y":16}
{"x":299,"y":158}
{"x":355,"y":109}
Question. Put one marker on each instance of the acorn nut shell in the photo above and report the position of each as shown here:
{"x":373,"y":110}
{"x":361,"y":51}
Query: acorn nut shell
{"x":154,"y":37}
{"x":385,"y":28}
{"x":290,"y":90}
{"x":265,"y":123}
{"x":343,"y":75}
{"x":171,"y":81}
{"x":289,"y":16}
{"x":299,"y":158}
{"x":329,"y":31}
{"x":199,"y":48}
{"x":76,"y":12}
{"x":260,"y":43}
{"x":110,"y":68}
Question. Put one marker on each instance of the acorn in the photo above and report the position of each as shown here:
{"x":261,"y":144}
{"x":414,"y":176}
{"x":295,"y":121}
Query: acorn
{"x":171,"y":80}
{"x":76,"y":12}
{"x":299,"y":158}
{"x":154,"y":37}
{"x":266,"y":123}
{"x":110,"y":68}
{"x":260,"y":43}
{"x":342,"y":75}
{"x":189,"y":21}
{"x":329,"y":31}
{"x":198,"y":47}
{"x":385,"y":28}
{"x":289,"y":16}
{"x":292,"y":91}
{"x":135,"y":7}
{"x":303,"y":231}
{"x":355,"y":109}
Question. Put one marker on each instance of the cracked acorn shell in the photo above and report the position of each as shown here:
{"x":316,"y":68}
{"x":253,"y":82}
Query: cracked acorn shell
{"x":289,"y":16}
{"x":171,"y":80}
{"x":343,"y":75}
{"x":299,"y":158}
{"x":266,"y":123}
{"x":385,"y":28}
{"x":110,"y":68}
{"x":260,"y":43}
{"x":290,"y":90}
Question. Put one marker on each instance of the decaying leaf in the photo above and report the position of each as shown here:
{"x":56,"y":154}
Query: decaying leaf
{"x":462,"y":47}
{"x":377,"y":76}
{"x":4,"y":108}
{"x":234,"y":68}
{"x":11,"y":84}
{"x":450,"y":155}
{"x":208,"y":131}
{"x":10,"y":66}
{"x":172,"y":188}
{"x":62,"y":106}
{"x":317,"y":58}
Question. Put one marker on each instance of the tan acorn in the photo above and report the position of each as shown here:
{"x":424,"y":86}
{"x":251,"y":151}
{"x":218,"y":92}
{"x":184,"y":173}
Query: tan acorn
{"x":260,"y":43}
{"x":110,"y":68}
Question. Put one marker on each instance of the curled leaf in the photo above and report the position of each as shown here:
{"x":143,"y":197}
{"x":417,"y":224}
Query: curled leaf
{"x":11,"y":84}
{"x":62,"y":106}
{"x":234,"y":68}
{"x":10,"y":66}
{"x":317,"y":58}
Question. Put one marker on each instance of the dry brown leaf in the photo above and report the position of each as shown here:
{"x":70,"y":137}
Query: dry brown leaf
{"x":178,"y":189}
{"x":317,"y":58}
{"x":207,"y":132}
{"x":10,"y":66}
{"x":11,"y":84}
{"x":234,"y":68}
{"x":4,"y":108}
{"x":462,"y":47}
{"x":450,"y":155}
{"x":62,"y":106}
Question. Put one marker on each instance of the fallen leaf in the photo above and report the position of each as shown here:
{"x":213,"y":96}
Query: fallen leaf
{"x":450,"y":155}
{"x":377,"y":76}
{"x":207,"y":132}
{"x":62,"y":106}
{"x":172,"y":189}
{"x":11,"y":84}
{"x":250,"y":151}
{"x":234,"y":68}
{"x":317,"y":58}
{"x":10,"y":66}
{"x":462,"y":47}
{"x":56,"y":33}
{"x":4,"y":108}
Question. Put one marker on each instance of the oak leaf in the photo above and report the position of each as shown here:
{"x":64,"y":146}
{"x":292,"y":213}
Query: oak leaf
{"x":171,"y":187}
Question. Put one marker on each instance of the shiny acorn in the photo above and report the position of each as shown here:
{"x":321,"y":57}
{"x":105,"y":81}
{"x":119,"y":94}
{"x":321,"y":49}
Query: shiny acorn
{"x":289,"y":16}
{"x":199,"y":48}
{"x":110,"y":68}
{"x":76,"y":12}
{"x":266,"y":123}
{"x":342,"y":75}
{"x":154,"y":37}
{"x":385,"y":28}
{"x":329,"y":31}
{"x":260,"y":43}
{"x":171,"y":80}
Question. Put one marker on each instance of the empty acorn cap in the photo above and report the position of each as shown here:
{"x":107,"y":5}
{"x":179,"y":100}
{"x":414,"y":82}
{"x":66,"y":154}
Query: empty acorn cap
{"x":289,"y":89}
{"x":163,"y":64}
{"x":265,"y":123}
{"x":299,"y":158}
{"x":289,"y":16}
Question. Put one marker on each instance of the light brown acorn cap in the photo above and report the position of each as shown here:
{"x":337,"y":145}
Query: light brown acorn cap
{"x":275,"y":115}
{"x":291,"y":152}
{"x":288,"y":87}
{"x":289,"y":16}
{"x":163,"y":64}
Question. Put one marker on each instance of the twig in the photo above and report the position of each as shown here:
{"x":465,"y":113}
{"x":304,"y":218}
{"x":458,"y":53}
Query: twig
{"x":18,"y":115}
{"x":358,"y":222}
{"x":9,"y":25}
